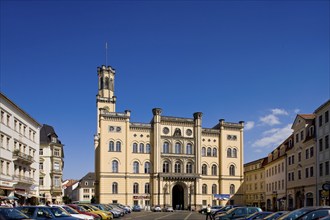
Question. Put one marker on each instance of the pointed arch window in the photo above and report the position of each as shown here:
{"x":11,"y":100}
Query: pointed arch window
{"x":115,"y":166}
{"x":114,"y":188}
{"x":136,"y":167}
{"x":232,"y":189}
{"x":231,"y":170}
{"x":135,"y":148}
{"x":234,"y":152}
{"x":141,"y":148}
{"x":229,"y":152}
{"x":166,"y":167}
{"x":214,"y":189}
{"x":214,"y":170}
{"x":118,"y":146}
{"x":106,"y":84}
{"x":177,"y":148}
{"x":203,"y":152}
{"x":101,"y":83}
{"x":111,"y":146}
{"x":147,"y":188}
{"x":136,"y":188}
{"x":177,"y":167}
{"x":148,"y":148}
{"x":147,"y":167}
{"x":189,"y":149}
{"x":204,"y":169}
{"x":209,"y":151}
{"x":215,"y":152}
{"x":189,"y":167}
{"x":166,"y":148}
{"x":204,"y":189}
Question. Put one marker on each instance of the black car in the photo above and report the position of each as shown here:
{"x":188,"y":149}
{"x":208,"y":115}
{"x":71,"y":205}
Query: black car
{"x":45,"y":212}
{"x":275,"y":215}
{"x":238,"y":212}
{"x":7,"y":213}
{"x":316,"y":214}
{"x":223,"y":209}
{"x":296,"y":214}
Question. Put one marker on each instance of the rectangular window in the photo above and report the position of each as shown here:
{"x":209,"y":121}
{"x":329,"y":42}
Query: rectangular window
{"x":2,"y":117}
{"x":8,"y":165}
{"x":327,"y":168}
{"x":306,"y":173}
{"x":311,"y":171}
{"x":320,"y":120}
{"x":299,"y":174}
{"x":326,"y":142}
{"x":57,"y":181}
{"x":292,"y":159}
{"x":289,"y":158}
{"x":297,"y":138}
{"x":307,"y":153}
{"x":86,"y":196}
{"x":41,"y":151}
{"x":57,"y":166}
{"x":292,"y":176}
{"x":204,"y":202}
{"x":320,"y":144}
{"x":41,"y":166}
{"x":86,"y":190}
{"x":289,"y":176}
{"x":311,"y":151}
{"x":299,"y":157}
{"x":8,"y":120}
{"x":41,"y":181}
{"x":321,"y":169}
{"x":326,"y":117}
{"x":282,"y":166}
{"x":282,"y":184}
{"x":302,"y":135}
{"x":56,"y":152}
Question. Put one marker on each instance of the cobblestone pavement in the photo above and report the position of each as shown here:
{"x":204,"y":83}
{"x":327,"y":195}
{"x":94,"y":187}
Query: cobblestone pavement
{"x":176,"y":215}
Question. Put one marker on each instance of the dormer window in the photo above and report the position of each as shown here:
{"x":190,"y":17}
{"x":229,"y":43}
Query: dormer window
{"x":54,"y":139}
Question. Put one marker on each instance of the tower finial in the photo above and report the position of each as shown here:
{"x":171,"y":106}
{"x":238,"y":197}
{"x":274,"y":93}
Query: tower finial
{"x":106,"y":53}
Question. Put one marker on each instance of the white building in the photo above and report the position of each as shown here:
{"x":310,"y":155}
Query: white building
{"x":19,"y":151}
{"x":83,"y":190}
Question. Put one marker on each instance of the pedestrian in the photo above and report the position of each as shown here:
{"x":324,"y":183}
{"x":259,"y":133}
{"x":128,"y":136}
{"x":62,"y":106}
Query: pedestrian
{"x":208,"y":212}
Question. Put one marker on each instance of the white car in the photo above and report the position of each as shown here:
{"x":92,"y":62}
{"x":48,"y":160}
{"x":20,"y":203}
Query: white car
{"x":74,"y":213}
{"x":157,"y":209}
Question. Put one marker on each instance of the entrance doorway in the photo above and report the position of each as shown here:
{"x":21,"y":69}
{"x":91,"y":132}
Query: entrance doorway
{"x":178,"y":197}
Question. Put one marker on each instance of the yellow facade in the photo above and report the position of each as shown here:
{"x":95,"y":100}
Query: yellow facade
{"x":171,"y":161}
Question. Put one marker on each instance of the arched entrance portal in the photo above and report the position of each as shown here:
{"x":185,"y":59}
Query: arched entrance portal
{"x":178,"y":197}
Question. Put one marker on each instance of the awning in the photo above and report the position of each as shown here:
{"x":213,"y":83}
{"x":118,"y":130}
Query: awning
{"x":23,"y":194}
{"x":222,"y":196}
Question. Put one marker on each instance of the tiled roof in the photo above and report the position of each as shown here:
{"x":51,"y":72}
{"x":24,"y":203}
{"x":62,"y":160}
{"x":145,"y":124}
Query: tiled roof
{"x":307,"y":116}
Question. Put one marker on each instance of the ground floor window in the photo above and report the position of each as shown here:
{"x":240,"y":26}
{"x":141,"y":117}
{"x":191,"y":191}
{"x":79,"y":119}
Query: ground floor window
{"x":115,"y":201}
{"x":147,"y":202}
{"x":204,"y":202}
{"x":136,"y":202}
{"x":214,"y":202}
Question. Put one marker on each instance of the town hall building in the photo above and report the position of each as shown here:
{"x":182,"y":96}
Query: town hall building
{"x":169,"y":161}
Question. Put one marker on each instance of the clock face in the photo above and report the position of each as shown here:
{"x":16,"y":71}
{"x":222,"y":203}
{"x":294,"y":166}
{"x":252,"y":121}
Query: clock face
{"x":166,"y":130}
{"x":188,"y":132}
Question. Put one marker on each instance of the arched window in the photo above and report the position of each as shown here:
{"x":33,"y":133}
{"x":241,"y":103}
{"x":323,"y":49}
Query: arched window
{"x":118,"y":146}
{"x":141,"y":148}
{"x":166,"y":148}
{"x":115,"y":166}
{"x":204,"y":169}
{"x":101,"y":83}
{"x":106,"y":84}
{"x":147,"y":167}
{"x":229,"y":152}
{"x":111,"y":146}
{"x":147,"y":188}
{"x":214,"y":170}
{"x":135,"y":148}
{"x":204,"y":189}
{"x":114,"y":188}
{"x":148,"y":148}
{"x":234,"y":152}
{"x":189,"y":167}
{"x":166,"y":167}
{"x":177,"y":148}
{"x":209,"y":151}
{"x":136,"y":167}
{"x":135,"y":188}
{"x":232,"y":189}
{"x":214,"y":189}
{"x":189,"y":149}
{"x":215,"y":152}
{"x":232,"y":170}
{"x":177,"y":167}
{"x":203,"y":151}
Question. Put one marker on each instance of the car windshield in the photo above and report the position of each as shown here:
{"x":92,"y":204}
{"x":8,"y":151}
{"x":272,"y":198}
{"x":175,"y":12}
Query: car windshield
{"x":70,"y":210}
{"x":295,"y":214}
{"x":59,"y":212}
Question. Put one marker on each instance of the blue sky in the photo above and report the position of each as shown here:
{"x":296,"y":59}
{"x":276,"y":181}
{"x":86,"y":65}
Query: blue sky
{"x":257,"y":61}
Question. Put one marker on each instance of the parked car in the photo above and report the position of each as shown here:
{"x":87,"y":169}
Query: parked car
{"x":275,"y":215}
{"x":257,"y":215}
{"x":238,"y":212}
{"x":223,"y":209}
{"x":82,"y":210}
{"x":136,"y":208}
{"x":156,"y":208}
{"x":316,"y":214}
{"x":74,"y":213}
{"x":214,"y":208}
{"x":299,"y":212}
{"x":11,"y":214}
{"x":168,"y":209}
{"x":125,"y":207}
{"x":103,"y":214}
{"x":115,"y":212}
{"x":117,"y":208}
{"x":45,"y":212}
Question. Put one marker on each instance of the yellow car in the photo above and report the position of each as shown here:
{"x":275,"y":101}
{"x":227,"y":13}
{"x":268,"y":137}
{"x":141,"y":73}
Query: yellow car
{"x":103,"y":214}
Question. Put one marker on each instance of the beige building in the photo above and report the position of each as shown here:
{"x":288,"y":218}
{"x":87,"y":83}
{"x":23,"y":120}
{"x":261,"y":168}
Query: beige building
{"x":171,"y":161}
{"x":254,"y":183}
{"x":19,"y":151}
{"x":323,"y":159}
{"x":51,"y":165}
{"x":301,"y":163}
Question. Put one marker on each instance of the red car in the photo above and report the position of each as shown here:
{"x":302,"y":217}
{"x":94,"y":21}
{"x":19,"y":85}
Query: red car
{"x":83,"y":211}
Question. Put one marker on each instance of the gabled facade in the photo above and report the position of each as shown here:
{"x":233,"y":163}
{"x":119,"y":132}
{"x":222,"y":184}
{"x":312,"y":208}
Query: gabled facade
{"x":322,"y":126}
{"x":51,"y":165}
{"x":171,"y":161}
{"x":84,"y":189}
{"x":301,"y":163}
{"x":19,"y":151}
